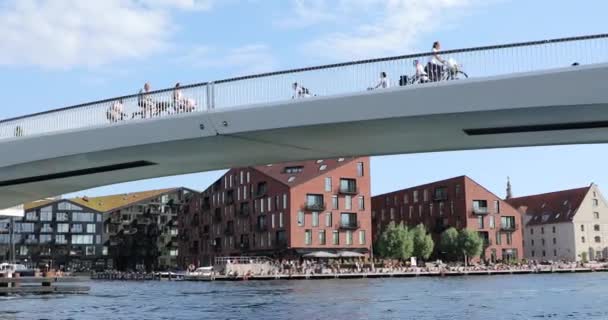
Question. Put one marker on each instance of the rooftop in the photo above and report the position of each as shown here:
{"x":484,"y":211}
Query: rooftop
{"x":552,"y":207}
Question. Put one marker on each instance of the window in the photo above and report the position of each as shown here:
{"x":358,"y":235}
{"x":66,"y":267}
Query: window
{"x":425,"y":195}
{"x":392,"y":214}
{"x":60,"y":239}
{"x":361,"y":237}
{"x":458,"y":189}
{"x":334,"y":202}
{"x":582,"y":227}
{"x":292,"y":170}
{"x":300,"y":218}
{"x":82,"y":239}
{"x":328,"y":219}
{"x":348,"y":202}
{"x":281,"y":223}
{"x":554,"y":241}
{"x":248,"y":177}
{"x":322,"y":237}
{"x":361,"y":203}
{"x":24,"y":227}
{"x":348,"y":186}
{"x":90,"y":250}
{"x":63,"y":228}
{"x":272,"y":221}
{"x":269,"y":204}
{"x":360,"y":171}
{"x":532,"y":242}
{"x":480,"y":222}
{"x":441,"y":194}
{"x":595,"y":202}
{"x":349,"y":237}
{"x":284,"y":201}
{"x":31,"y":216}
{"x":498,"y":238}
{"x":91,"y":228}
{"x":509,"y":238}
{"x":46,"y":228}
{"x":553,"y":229}
{"x":173,"y":252}
{"x":315,"y":219}
{"x":262,"y":205}
{"x":314,"y":202}
{"x":596,"y":227}
{"x":335,"y":237}
{"x":583,"y":239}
{"x":328,"y":184}
{"x":480,"y":206}
{"x":308,"y":237}
{"x":76,"y":228}
{"x":405,"y":199}
{"x":68,"y":206}
{"x":323,"y":167}
{"x":46,"y":215}
{"x":554,"y":253}
{"x":542,"y":230}
{"x":533,"y":253}
{"x":543,"y":253}
{"x":598,"y":239}
{"x":531,"y":230}
{"x":596,"y":215}
{"x":83,"y":217}
{"x":61,"y":216}
{"x":415,"y":196}
{"x":348,"y":220}
{"x":492,"y":222}
{"x":542,"y":241}
{"x":46,"y":238}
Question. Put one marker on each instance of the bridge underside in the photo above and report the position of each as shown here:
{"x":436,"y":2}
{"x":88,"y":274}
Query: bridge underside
{"x":566,"y":106}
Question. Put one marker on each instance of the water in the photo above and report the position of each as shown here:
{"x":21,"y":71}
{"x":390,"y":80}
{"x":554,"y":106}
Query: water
{"x":567,"y":296}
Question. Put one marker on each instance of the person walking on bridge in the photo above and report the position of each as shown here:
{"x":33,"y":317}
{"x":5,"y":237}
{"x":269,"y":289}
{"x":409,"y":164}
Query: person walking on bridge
{"x":436,"y":62}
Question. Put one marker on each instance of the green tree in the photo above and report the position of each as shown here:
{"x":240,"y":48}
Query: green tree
{"x":470,"y":244}
{"x":395,"y":242}
{"x":423,"y":242}
{"x":449,"y":244}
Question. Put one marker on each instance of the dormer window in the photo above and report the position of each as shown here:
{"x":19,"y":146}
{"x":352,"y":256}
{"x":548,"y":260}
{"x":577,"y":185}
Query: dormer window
{"x":323,"y":167}
{"x":294,"y":169}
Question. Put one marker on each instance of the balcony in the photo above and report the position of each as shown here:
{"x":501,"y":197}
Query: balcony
{"x":351,"y":225}
{"x":243,"y":211}
{"x":348,"y":190}
{"x":314,"y":206}
{"x":508,"y":227}
{"x":217,"y":216}
{"x":480,"y":211}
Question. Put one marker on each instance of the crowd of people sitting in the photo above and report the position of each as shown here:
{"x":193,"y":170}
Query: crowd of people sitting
{"x":358,"y":266}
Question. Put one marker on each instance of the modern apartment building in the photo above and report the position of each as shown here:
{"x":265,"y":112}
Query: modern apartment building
{"x":565,"y":225}
{"x":281,"y":210}
{"x":457,"y":202}
{"x":140,"y":229}
{"x":56,"y":232}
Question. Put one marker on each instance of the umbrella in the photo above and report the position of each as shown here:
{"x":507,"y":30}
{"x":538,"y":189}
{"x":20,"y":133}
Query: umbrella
{"x":320,"y":254}
{"x":350,"y":254}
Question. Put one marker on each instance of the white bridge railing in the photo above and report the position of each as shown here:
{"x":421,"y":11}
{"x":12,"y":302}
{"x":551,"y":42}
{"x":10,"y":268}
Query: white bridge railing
{"x":342,"y":78}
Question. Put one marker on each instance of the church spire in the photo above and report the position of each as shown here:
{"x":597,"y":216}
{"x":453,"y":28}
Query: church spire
{"x":509,"y":194}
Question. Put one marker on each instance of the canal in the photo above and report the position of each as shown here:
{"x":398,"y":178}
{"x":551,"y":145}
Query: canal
{"x":551,"y":296}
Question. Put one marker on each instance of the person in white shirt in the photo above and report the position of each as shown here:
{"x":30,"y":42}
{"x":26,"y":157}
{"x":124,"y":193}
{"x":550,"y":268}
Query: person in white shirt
{"x":421,"y":75}
{"x":299,"y":91}
{"x":384,"y":82}
{"x":116,"y":111}
{"x":181,"y":104}
{"x":435,"y":65}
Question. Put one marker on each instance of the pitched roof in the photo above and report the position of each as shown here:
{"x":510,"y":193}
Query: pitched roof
{"x":422,"y":186}
{"x":309,"y":169}
{"x":112,"y":202}
{"x":38,"y":203}
{"x":552,"y":207}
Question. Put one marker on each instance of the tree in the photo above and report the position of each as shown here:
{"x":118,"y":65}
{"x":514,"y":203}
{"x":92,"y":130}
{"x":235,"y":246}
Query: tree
{"x":449,"y":244}
{"x":470,"y":244}
{"x":423,"y":242}
{"x":395,"y":242}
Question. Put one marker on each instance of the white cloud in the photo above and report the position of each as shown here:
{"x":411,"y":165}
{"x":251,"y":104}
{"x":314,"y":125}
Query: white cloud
{"x":72,"y":33}
{"x":247,"y":59}
{"x":394,"y":27}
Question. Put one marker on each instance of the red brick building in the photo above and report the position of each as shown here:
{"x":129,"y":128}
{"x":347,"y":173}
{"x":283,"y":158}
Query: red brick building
{"x":458,"y":202}
{"x":280,"y":210}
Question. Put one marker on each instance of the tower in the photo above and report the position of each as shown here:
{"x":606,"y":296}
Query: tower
{"x":509,"y":193}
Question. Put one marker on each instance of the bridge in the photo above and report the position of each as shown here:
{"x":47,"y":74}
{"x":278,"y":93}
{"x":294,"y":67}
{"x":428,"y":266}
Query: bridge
{"x":521,"y":94}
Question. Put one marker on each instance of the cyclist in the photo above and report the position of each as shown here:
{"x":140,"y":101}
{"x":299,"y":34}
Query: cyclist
{"x":435,"y":65}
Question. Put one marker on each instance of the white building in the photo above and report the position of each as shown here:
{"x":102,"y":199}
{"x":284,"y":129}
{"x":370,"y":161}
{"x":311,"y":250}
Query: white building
{"x":565,"y":225}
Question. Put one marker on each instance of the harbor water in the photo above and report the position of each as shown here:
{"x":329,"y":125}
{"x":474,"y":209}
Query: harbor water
{"x":535,"y":296}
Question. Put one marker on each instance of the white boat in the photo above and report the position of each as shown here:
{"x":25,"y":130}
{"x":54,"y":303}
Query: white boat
{"x":201,"y":273}
{"x":169,"y":276}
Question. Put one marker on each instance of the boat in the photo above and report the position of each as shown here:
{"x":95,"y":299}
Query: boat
{"x":6,"y":267}
{"x":169,"y":276}
{"x":200,"y":274}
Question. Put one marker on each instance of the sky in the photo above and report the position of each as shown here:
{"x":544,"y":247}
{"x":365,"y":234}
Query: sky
{"x":58,"y":53}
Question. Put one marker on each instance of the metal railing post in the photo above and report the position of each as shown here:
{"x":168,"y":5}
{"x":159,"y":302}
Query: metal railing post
{"x":210,"y":96}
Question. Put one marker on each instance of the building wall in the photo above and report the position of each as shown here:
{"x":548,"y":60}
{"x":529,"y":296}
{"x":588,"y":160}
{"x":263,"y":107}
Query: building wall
{"x":81,"y":248}
{"x":317,"y":186}
{"x":551,"y":241}
{"x":203,"y":238}
{"x":585,"y":217}
{"x":454,"y":208}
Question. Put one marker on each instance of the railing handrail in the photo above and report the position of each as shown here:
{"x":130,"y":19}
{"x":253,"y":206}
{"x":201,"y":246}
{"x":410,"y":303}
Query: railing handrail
{"x":320,"y":67}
